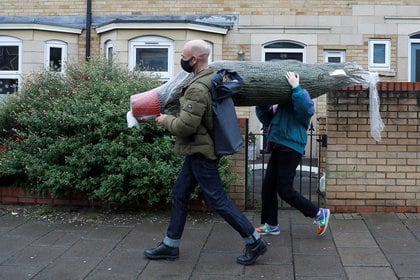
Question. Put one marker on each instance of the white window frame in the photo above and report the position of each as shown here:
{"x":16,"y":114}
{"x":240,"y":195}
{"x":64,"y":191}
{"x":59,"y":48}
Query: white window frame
{"x":16,"y":75}
{"x":109,"y":45}
{"x":284,"y":50}
{"x":380,"y":66}
{"x":152,"y":42}
{"x":335,"y":53}
{"x":55,"y":44}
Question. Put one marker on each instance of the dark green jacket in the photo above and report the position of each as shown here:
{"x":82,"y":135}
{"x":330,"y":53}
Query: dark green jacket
{"x":191,"y":127}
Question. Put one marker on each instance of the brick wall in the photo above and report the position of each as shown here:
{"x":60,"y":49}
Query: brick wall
{"x":182,"y":7}
{"x":364,"y":175}
{"x":15,"y":195}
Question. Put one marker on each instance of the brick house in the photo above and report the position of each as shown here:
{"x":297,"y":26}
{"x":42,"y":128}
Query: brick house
{"x":382,"y":36}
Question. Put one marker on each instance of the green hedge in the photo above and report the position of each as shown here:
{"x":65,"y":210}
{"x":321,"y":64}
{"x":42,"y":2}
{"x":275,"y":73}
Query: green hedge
{"x":68,"y":134}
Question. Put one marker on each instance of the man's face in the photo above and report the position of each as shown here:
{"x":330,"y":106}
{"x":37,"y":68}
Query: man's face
{"x":188,"y":61}
{"x":187,"y":55}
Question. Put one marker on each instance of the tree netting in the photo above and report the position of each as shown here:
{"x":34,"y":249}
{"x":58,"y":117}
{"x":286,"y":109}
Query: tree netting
{"x":265,"y":84}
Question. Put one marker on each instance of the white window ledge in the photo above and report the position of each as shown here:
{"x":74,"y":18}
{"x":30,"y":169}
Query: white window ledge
{"x":43,"y":27}
{"x":166,"y":26}
{"x":384,"y":73}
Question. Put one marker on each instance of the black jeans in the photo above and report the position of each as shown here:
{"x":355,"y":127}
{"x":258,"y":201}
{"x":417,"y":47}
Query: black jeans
{"x":278,"y":179}
{"x":200,"y":170}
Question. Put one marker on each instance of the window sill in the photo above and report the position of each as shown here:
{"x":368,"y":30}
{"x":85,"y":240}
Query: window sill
{"x":384,"y":73}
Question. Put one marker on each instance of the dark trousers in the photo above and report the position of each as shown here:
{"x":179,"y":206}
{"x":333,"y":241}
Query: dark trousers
{"x":278,"y":179}
{"x":199,"y":170}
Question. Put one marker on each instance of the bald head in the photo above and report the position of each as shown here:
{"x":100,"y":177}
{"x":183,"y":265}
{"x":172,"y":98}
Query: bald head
{"x":198,"y":48}
{"x":196,"y":53}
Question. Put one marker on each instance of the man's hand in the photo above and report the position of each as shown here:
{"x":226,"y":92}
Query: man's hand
{"x":292,"y":79}
{"x":160,"y":118}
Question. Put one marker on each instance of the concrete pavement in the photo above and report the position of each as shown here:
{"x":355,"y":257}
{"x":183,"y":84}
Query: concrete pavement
{"x":356,"y":246}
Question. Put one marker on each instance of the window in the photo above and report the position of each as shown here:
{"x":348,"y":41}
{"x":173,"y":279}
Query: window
{"x":55,"y":56}
{"x":283,"y":50}
{"x":109,"y":50}
{"x":10,"y":65}
{"x":334,"y":56}
{"x":379,"y":54}
{"x":153,"y":55}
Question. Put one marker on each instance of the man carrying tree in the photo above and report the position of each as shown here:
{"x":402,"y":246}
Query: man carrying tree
{"x":193,"y":140}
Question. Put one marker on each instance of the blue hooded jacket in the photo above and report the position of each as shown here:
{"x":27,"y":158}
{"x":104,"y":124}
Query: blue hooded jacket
{"x":289,"y":124}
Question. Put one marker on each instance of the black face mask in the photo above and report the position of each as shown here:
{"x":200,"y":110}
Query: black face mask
{"x":185,"y":64}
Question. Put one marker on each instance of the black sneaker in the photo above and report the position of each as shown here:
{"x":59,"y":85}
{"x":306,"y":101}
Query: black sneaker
{"x":252,"y":252}
{"x":162,"y":252}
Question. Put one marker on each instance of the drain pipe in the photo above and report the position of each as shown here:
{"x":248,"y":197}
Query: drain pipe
{"x":88,"y":27}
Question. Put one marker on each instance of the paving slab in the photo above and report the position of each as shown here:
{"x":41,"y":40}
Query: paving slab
{"x":414,"y":227}
{"x":35,"y":256}
{"x":109,"y":232}
{"x":58,"y":238}
{"x":224,"y":239}
{"x":111,"y":275}
{"x":361,"y":256}
{"x":123,"y":261}
{"x":406,"y":265}
{"x":9,"y":222}
{"x":319,"y":246}
{"x":9,"y":245}
{"x":318,"y":266}
{"x":397,"y":230}
{"x":13,"y":272}
{"x":90,"y":248}
{"x":348,"y":226}
{"x":280,"y":272}
{"x":401,"y":246}
{"x":67,"y":268}
{"x":215,"y":263}
{"x":177,"y":270}
{"x":354,"y":239}
{"x":370,"y":273}
{"x":280,"y":251}
{"x":31,"y":230}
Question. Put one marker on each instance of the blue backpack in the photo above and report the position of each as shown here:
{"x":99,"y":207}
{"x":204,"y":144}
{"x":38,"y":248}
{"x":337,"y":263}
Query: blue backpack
{"x":226,"y":132}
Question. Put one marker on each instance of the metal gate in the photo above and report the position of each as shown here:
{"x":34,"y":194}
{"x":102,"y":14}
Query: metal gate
{"x":308,"y":175}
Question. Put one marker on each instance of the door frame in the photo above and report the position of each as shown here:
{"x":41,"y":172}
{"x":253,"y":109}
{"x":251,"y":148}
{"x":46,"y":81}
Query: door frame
{"x":411,"y":66}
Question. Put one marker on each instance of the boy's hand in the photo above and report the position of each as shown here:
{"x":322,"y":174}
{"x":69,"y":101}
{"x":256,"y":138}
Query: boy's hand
{"x":292,"y":79}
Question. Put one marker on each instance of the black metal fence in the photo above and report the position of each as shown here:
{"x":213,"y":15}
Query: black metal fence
{"x":307,"y":174}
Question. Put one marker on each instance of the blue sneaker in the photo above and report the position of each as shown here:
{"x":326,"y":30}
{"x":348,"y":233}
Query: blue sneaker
{"x":321,"y":220}
{"x":267,"y":229}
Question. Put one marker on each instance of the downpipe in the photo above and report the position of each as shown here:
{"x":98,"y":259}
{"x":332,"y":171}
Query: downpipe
{"x":88,"y":28}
